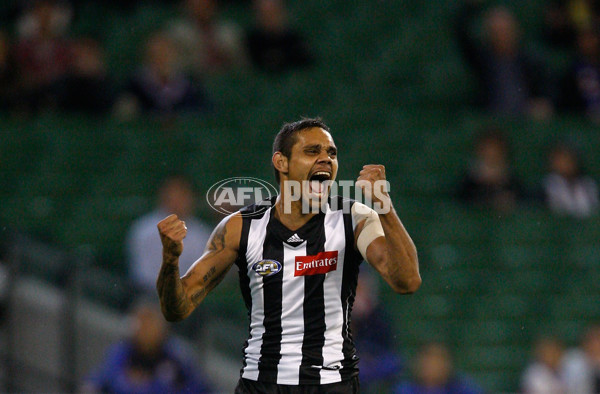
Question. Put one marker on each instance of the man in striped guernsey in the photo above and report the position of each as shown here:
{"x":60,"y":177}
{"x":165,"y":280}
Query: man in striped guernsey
{"x":298,"y":268}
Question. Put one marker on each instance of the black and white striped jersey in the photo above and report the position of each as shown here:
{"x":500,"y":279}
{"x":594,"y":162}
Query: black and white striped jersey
{"x":299,"y":287}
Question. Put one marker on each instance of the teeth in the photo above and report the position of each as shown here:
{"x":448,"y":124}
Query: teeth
{"x":321,"y":173}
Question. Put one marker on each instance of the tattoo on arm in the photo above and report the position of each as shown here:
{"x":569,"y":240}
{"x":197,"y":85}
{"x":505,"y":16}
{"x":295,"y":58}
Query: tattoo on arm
{"x":217,"y":242}
{"x":209,"y":275}
{"x":170,"y":288}
{"x":216,"y":280}
{"x":170,"y":291}
{"x":199,"y":296}
{"x":165,"y":277}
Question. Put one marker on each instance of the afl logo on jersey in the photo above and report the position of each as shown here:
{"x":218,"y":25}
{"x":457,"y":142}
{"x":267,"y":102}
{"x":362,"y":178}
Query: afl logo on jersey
{"x":267,"y":267}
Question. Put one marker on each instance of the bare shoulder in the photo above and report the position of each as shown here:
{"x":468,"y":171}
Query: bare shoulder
{"x":226,"y":234}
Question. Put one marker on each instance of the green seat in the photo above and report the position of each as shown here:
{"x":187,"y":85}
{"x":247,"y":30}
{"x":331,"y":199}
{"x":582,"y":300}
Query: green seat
{"x":493,"y":358}
{"x":575,"y":306}
{"x":584,"y":255}
{"x":532,"y":282}
{"x":501,"y":306}
{"x":450,"y":281}
{"x":490,"y":331}
{"x":523,"y":229}
{"x":529,"y":256}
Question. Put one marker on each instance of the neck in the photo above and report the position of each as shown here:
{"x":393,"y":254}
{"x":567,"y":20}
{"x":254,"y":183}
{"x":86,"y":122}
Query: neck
{"x":290,"y":213}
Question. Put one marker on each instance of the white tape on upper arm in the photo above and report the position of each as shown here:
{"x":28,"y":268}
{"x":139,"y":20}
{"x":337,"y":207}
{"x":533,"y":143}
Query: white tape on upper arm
{"x":371,"y":230}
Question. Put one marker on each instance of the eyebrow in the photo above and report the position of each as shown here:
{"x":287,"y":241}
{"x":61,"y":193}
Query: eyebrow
{"x":319,"y":146}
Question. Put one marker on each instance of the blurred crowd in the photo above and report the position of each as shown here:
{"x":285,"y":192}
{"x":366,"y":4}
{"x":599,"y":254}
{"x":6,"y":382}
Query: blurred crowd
{"x":560,"y":370}
{"x":45,"y":67}
{"x":516,"y":79}
{"x":513,"y":80}
{"x":490,"y":180}
{"x":553,"y":368}
{"x":148,"y":360}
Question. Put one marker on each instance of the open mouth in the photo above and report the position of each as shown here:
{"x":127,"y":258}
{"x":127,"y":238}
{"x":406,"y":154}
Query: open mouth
{"x":316,"y":180}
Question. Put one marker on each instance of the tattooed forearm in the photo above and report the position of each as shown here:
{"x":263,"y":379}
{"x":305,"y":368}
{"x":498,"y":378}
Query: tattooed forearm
{"x":214,"y":281}
{"x":171,"y":293}
{"x":179,"y":296}
{"x":165,"y":272}
{"x":199,"y":296}
{"x":209,"y":274}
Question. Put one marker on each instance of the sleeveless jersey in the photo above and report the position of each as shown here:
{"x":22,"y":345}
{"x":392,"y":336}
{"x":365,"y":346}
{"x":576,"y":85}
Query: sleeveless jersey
{"x":299,"y":287}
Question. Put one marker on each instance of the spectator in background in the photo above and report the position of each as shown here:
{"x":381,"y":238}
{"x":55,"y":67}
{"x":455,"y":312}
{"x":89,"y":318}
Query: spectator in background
{"x":379,"y":362}
{"x":143,"y":245}
{"x":160,"y":86}
{"x":543,"y":375}
{"x":273,"y":45}
{"x":435,"y":374}
{"x":47,"y":17}
{"x":489,"y":181}
{"x":567,"y":189}
{"x":564,"y":18}
{"x":581,"y":367}
{"x":512,"y":81}
{"x":149,"y":361}
{"x":206,"y":44}
{"x":42,"y":54}
{"x":580,"y":88}
{"x":87,"y":88}
{"x":7,"y":73}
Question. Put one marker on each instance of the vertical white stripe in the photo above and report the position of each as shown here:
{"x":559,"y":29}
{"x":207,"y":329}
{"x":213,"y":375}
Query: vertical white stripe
{"x":335,"y":239}
{"x":292,"y":319}
{"x":256,"y":238}
{"x":254,"y":253}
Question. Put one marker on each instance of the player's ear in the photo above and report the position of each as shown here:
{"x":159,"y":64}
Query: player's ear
{"x":280,"y":162}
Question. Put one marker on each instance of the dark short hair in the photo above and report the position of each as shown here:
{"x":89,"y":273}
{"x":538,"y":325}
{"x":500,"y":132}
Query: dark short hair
{"x":286,"y":137}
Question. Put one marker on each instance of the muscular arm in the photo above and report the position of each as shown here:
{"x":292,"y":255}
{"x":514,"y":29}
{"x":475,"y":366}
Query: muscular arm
{"x":394,"y":255}
{"x":180,"y":296}
{"x":386,"y":244}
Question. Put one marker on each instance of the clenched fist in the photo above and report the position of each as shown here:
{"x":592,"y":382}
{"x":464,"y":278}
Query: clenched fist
{"x":172,"y":232}
{"x":375,"y":187}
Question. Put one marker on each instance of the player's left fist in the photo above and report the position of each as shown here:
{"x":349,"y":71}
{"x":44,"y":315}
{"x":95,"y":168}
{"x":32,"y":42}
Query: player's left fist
{"x":371,"y":180}
{"x":372,"y":173}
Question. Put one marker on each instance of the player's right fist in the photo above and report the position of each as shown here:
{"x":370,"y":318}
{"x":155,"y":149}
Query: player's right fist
{"x":172,"y":232}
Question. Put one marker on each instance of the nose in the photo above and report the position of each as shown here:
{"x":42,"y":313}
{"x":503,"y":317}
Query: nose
{"x":324,"y":157}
